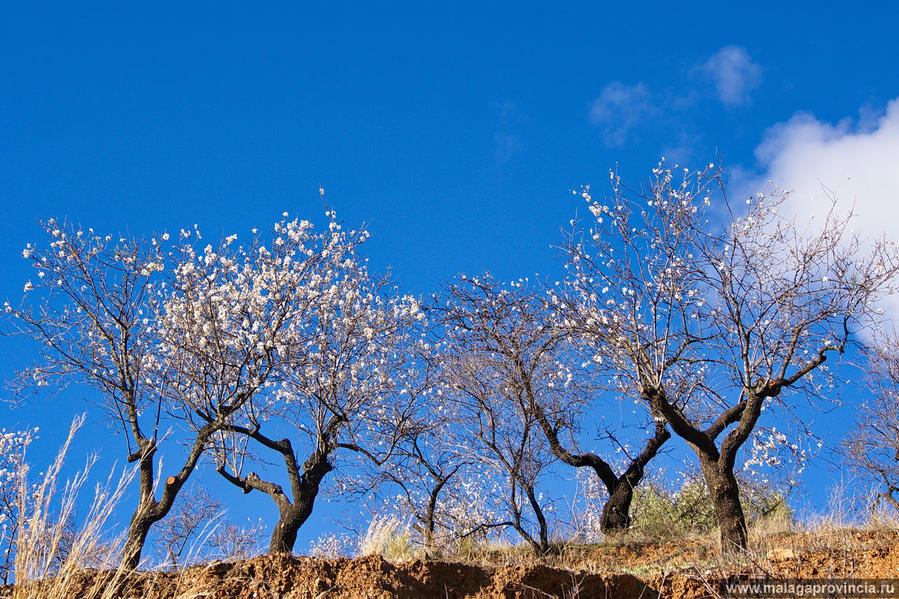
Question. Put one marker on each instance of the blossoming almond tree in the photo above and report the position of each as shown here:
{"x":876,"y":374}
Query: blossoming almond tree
{"x":524,"y":328}
{"x":873,"y":446}
{"x":230,"y":319}
{"x":93,"y":305}
{"x":330,"y":362}
{"x":419,"y":473}
{"x":425,"y":475}
{"x":498,"y":361}
{"x":708,"y":323}
{"x":432,"y":478}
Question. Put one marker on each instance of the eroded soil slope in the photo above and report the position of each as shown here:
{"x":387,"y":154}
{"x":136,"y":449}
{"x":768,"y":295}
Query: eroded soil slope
{"x":689,"y":569}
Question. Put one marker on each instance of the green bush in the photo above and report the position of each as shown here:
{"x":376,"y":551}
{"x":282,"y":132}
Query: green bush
{"x":661,"y":511}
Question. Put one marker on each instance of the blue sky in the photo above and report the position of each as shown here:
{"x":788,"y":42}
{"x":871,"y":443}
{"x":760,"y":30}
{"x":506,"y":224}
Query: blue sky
{"x":455,"y":131}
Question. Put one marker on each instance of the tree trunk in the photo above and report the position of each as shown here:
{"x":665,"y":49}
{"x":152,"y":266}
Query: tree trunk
{"x":146,"y":514}
{"x":725,"y":492}
{"x":616,"y":513}
{"x":284,"y":535}
{"x":149,"y":511}
{"x":429,"y":532}
{"x":429,"y":524}
{"x":137,"y":536}
{"x":617,"y":508}
{"x":294,"y":515}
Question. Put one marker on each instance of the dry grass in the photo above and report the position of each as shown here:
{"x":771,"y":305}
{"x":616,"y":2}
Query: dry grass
{"x":391,"y":538}
{"x":58,"y":560}
{"x":773,"y":541}
{"x":51,"y":557}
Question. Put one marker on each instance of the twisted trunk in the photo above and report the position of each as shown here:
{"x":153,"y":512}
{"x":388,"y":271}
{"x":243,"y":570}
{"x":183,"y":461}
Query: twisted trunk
{"x":616,"y":510}
{"x":725,"y":492}
{"x":304,"y":486}
{"x":718,"y":466}
{"x":292,"y":515}
{"x":284,"y":534}
{"x":150,"y":511}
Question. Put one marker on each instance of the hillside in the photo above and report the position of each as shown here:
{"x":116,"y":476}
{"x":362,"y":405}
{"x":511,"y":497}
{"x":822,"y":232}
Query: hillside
{"x":690,"y":568}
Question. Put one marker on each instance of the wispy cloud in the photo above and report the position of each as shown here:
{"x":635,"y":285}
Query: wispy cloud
{"x":506,"y":141}
{"x":733,"y":73}
{"x":618,"y":109}
{"x":622,"y":111}
{"x":505,"y":147}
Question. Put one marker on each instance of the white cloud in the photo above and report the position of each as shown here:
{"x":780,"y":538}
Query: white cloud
{"x":857,"y":163}
{"x":734,"y":74}
{"x":618,"y":109}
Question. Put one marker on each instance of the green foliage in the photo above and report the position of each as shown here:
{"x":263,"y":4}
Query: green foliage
{"x":661,"y":511}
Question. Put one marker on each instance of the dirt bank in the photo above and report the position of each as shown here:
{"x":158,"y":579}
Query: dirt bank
{"x":688,"y":569}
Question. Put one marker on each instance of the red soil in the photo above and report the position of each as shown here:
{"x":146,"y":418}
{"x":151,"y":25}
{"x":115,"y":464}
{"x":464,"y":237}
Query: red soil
{"x":690,"y":569}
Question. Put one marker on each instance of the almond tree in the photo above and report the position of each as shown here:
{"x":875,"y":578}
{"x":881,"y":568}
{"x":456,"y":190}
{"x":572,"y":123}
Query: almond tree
{"x":873,"y":447}
{"x":418,"y":477}
{"x":434,"y":477}
{"x":338,"y":367}
{"x":93,"y":305}
{"x":229,"y":320}
{"x":499,"y":360}
{"x":525,"y":329}
{"x":424,"y":470}
{"x":706,"y":323}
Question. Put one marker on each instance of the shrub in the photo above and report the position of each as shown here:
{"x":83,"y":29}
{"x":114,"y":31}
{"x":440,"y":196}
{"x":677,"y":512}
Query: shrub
{"x":661,"y":512}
